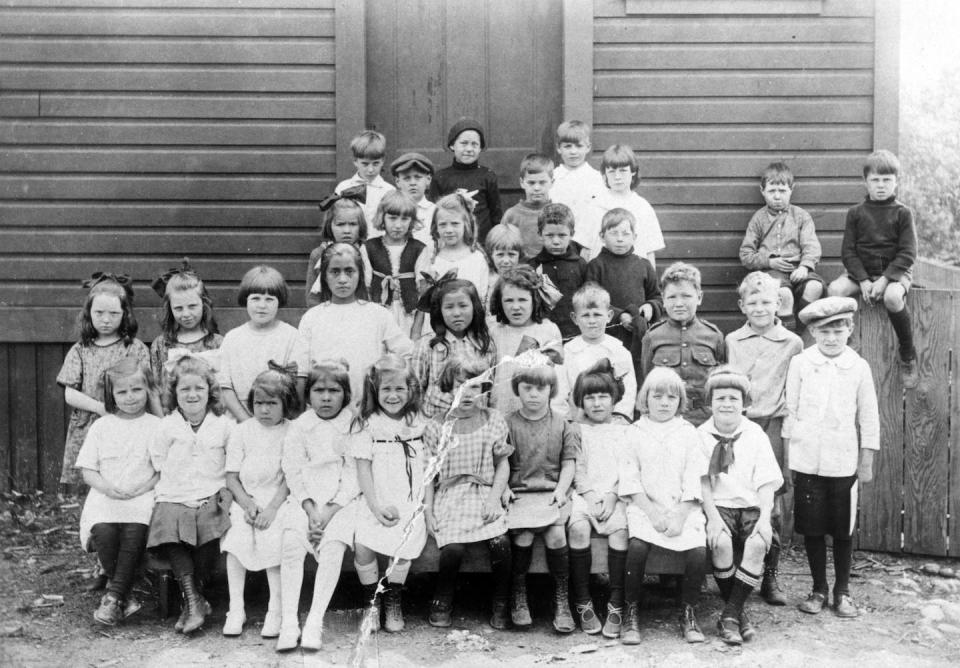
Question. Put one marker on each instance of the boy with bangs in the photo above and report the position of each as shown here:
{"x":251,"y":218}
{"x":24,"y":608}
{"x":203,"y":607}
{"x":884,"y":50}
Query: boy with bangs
{"x":592,"y":314}
{"x":832,"y":432}
{"x":762,"y":349}
{"x":575,"y":181}
{"x":369,"y":149}
{"x":781,"y":240}
{"x":413,"y":173}
{"x":560,"y":260}
{"x":682,"y":341}
{"x":536,"y":178}
{"x":879,"y":249}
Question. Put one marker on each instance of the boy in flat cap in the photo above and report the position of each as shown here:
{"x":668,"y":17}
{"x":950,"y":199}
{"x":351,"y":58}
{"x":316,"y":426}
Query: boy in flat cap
{"x":413,"y":173}
{"x":467,"y":140}
{"x":831,"y":433}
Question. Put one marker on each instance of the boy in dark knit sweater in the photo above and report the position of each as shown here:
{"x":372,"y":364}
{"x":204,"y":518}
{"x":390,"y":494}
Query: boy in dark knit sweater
{"x":878,"y":252}
{"x":630,"y":279}
{"x":560,"y":260}
{"x":536,"y":178}
{"x":466,"y":140}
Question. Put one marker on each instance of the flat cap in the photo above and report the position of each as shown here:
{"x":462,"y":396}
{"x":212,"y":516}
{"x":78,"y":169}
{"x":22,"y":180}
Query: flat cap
{"x":409,"y":160}
{"x":827,"y":310}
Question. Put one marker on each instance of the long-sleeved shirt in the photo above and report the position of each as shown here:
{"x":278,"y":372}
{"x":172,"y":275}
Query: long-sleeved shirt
{"x":568,"y":273}
{"x":524,"y":216}
{"x":831,"y":412}
{"x":488,"y":211}
{"x":788,"y":234}
{"x":880,"y":239}
{"x":579,"y":355}
{"x":315,"y":460}
{"x":765,"y":359}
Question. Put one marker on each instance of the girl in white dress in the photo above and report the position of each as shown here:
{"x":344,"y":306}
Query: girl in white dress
{"x":387,"y":445}
{"x":660,"y":474}
{"x":115,"y":462}
{"x":259,"y":491}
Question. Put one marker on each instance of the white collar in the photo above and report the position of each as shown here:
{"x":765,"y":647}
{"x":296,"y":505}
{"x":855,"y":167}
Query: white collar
{"x":845,"y":360}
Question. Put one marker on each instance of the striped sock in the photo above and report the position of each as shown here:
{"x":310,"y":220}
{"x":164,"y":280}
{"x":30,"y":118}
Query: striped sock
{"x":724,"y":579}
{"x":744,"y":582}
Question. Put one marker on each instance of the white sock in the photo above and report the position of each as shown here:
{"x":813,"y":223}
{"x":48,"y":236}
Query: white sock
{"x":291,"y":578}
{"x":368,"y":573}
{"x":400,"y":572}
{"x":236,"y":579}
{"x":273,"y":581}
{"x":329,"y":561}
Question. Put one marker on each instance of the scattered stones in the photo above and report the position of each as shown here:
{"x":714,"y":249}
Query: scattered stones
{"x":933,"y":613}
{"x":949,"y":628}
{"x":13,"y":630}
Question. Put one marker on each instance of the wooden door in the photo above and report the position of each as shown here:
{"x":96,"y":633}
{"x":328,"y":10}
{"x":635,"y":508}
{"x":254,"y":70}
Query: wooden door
{"x":429,"y":62}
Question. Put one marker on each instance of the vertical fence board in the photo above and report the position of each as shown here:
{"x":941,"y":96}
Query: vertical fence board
{"x":23,"y":415}
{"x":50,"y":409}
{"x":953,"y":480}
{"x":6,"y":458}
{"x":926,"y":434}
{"x":881,"y":501}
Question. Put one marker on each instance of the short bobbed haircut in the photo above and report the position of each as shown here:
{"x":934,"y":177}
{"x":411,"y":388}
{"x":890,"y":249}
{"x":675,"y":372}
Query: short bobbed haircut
{"x":620,"y":155}
{"x":598,"y":379}
{"x":726,"y":377}
{"x":661,"y":379}
{"x":263,"y":280}
{"x":395,"y":203}
{"x":573,"y":132}
{"x":277,"y":385}
{"x":126,"y":368}
{"x":540,"y":375}
{"x":458,"y":369}
{"x":336,"y":370}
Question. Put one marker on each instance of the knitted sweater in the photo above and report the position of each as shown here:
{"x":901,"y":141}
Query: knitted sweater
{"x":472,"y":177}
{"x":524,"y":215}
{"x":568,"y":272}
{"x":880,"y":239}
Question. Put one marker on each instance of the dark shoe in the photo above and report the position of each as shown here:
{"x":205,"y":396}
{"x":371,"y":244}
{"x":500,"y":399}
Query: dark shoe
{"x":630,"y":632}
{"x":131,"y":606}
{"x":98,"y":583}
{"x":748,"y":631}
{"x":613,"y":623}
{"x":109,"y":612}
{"x":589,"y":622}
{"x":393,"y":612}
{"x":368,"y":593}
{"x":843,"y":606}
{"x":519,"y":610}
{"x":909,"y":375}
{"x":197,"y":607}
{"x":182,"y":619}
{"x":440,"y":612}
{"x":500,"y":616}
{"x":562,"y":618}
{"x":729,"y":630}
{"x":814,"y":603}
{"x":689,"y":628}
{"x":770,"y":590}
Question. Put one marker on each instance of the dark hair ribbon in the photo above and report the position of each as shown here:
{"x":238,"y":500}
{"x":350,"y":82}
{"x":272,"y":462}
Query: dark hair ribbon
{"x":289,"y":368}
{"x":433,"y":284}
{"x":357,"y":193}
{"x":159,"y":284}
{"x":123,"y":280}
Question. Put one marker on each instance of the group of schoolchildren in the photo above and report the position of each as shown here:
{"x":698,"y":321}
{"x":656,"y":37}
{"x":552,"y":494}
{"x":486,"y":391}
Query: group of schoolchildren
{"x":502,"y":352}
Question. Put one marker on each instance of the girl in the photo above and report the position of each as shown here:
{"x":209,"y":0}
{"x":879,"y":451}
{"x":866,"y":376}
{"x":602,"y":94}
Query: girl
{"x":464,"y":504}
{"x":504,"y":248}
{"x":319,"y":516}
{"x":343,"y":222}
{"x":108,"y":331}
{"x":546,"y":449}
{"x":345,"y":325}
{"x":454,"y":232}
{"x":396,"y":259}
{"x":459,"y":330}
{"x":388,"y":447}
{"x":115,"y":463}
{"x":660,"y":472}
{"x":596,"y":505}
{"x":259,"y":490}
{"x":518,"y":306}
{"x":247,"y":350}
{"x":192,"y":509}
{"x":186,"y":317}
{"x":621,"y":175}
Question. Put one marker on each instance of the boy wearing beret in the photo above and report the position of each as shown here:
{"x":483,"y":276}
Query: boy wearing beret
{"x":832,"y":431}
{"x":467,"y":140}
{"x":413,"y":173}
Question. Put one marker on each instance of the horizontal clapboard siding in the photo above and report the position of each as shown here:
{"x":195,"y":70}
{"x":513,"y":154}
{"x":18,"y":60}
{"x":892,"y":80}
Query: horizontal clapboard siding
{"x":708,"y":100}
{"x":132,"y":133}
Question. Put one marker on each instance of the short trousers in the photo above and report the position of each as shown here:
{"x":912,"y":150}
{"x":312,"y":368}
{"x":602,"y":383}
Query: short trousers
{"x":824,"y":505}
{"x":740,"y":521}
{"x":906,"y":280}
{"x":797,"y":288}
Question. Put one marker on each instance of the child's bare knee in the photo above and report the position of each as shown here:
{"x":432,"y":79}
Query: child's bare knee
{"x":812,"y":291}
{"x":893,"y":297}
{"x":723,"y":551}
{"x":842,"y":287}
{"x":754,"y":550}
{"x":579,"y":534}
{"x":522,"y":538}
{"x":555,"y":536}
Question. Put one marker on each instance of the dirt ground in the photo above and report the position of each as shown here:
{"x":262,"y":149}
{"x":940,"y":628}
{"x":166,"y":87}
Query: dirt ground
{"x":910,"y":618}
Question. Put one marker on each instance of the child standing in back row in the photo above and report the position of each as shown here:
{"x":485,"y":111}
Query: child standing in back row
{"x":413,"y":173}
{"x":536,"y":177}
{"x":369,"y":149}
{"x":575,"y":181}
{"x":467,"y":140}
{"x":878,"y":251}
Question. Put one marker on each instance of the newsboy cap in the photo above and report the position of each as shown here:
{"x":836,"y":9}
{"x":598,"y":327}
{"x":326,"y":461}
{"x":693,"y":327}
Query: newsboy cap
{"x":409,"y":160}
{"x":827,"y":310}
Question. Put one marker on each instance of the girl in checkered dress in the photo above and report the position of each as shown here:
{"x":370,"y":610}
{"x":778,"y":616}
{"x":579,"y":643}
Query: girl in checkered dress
{"x":464,"y":506}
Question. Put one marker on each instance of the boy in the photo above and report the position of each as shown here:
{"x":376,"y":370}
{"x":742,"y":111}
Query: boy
{"x":575,"y":181}
{"x":621,"y":174}
{"x":689,"y":345}
{"x":536,"y":177}
{"x":878,"y":251}
{"x":413,"y":173}
{"x":560,"y":260}
{"x":368,"y":148}
{"x":591,"y":313}
{"x":466,"y":140}
{"x":630,"y":279}
{"x":737,"y":498}
{"x":762,"y":349}
{"x":831,"y":433}
{"x":781,"y":240}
